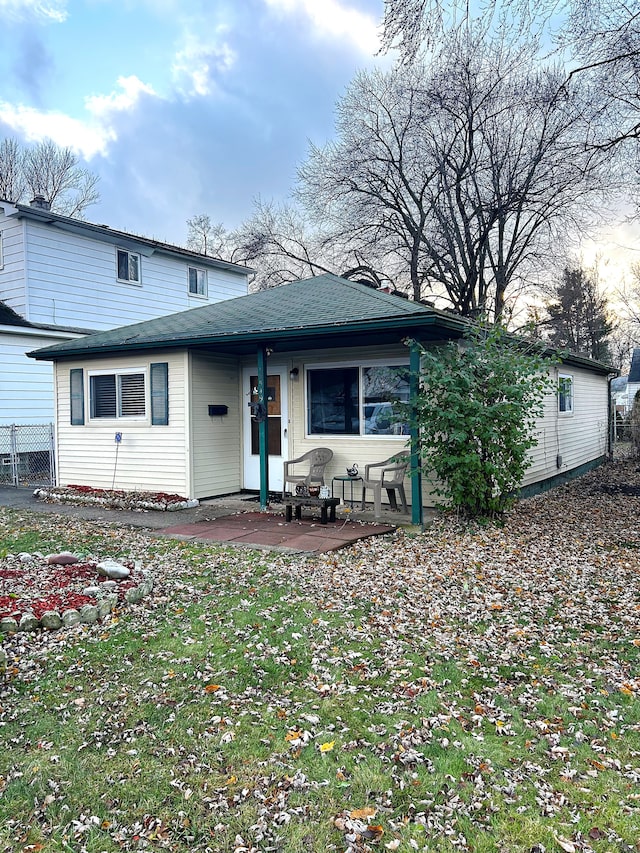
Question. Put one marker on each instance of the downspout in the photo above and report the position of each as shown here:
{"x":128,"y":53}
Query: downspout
{"x":263,"y":427}
{"x":611,"y":418}
{"x":416,"y":475}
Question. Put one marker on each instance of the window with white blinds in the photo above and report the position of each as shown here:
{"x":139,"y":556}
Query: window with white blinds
{"x":117,"y":395}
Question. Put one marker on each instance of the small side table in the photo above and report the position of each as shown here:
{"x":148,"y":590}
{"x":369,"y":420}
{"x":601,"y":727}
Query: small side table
{"x":344,"y":478}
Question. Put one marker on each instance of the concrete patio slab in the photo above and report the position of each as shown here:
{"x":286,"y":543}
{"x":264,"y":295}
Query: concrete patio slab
{"x":268,"y":530}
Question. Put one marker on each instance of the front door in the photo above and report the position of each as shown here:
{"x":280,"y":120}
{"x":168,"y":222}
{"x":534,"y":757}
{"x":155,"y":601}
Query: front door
{"x":278,"y":421}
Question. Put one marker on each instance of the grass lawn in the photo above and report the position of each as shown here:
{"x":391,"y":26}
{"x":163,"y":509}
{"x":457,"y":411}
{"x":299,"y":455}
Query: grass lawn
{"x":467,"y":689}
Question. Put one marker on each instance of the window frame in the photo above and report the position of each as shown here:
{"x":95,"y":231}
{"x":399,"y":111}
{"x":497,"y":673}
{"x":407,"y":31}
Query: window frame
{"x":562,"y":394}
{"x":361,"y":365}
{"x":132,"y":281}
{"x":1,"y":252}
{"x":118,"y":373}
{"x":205,"y":276}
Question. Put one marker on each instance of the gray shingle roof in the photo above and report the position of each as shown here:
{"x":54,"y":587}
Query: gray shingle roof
{"x":634,"y":372}
{"x":325,"y":304}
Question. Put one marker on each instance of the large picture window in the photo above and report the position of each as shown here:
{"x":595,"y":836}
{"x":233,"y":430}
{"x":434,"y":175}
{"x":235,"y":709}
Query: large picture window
{"x":117,"y":395}
{"x":357,"y":400}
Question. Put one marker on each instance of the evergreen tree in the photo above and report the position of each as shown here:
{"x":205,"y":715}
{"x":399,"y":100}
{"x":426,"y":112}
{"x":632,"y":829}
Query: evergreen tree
{"x":576,"y":315}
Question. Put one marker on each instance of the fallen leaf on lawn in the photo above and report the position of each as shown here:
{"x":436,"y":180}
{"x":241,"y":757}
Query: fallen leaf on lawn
{"x":211,"y":688}
{"x":566,"y":845}
{"x":363,"y":814}
{"x":373,"y":833}
{"x":328,"y":746}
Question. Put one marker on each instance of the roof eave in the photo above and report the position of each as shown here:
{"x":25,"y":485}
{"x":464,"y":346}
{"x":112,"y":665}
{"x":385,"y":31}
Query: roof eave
{"x":411,"y":323}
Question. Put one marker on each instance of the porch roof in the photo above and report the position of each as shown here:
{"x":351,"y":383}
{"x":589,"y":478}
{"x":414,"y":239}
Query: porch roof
{"x":320,"y":312}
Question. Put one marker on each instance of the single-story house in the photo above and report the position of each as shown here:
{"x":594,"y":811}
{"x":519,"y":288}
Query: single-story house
{"x":174,"y":404}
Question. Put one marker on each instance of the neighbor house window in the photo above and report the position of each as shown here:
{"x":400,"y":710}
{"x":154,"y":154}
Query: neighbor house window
{"x":565,"y":393}
{"x":357,"y":400}
{"x":117,"y":395}
{"x":128,"y":266}
{"x":197,"y":282}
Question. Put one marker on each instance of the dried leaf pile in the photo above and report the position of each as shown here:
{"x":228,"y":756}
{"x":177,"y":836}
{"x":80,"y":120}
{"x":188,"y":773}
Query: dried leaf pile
{"x":472,"y":688}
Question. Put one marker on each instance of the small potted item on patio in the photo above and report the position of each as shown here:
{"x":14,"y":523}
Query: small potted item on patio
{"x":301,"y":490}
{"x":314,"y":491}
{"x":325,"y":492}
{"x":352,"y":471}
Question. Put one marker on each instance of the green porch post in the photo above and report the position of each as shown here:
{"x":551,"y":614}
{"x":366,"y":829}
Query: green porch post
{"x":263,"y":427}
{"x":416,"y":476}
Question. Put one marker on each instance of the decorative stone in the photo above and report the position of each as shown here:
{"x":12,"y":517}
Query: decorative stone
{"x":25,"y":557}
{"x":108,"y":585}
{"x":64,"y":558}
{"x":8,"y":625}
{"x":104,"y":607}
{"x":3,"y":659}
{"x":91,"y":591}
{"x":133,"y":594}
{"x":51,"y":620}
{"x":28,"y":622}
{"x":70,"y":618}
{"x":89,"y":614}
{"x":146,"y":586}
{"x":113,"y":569}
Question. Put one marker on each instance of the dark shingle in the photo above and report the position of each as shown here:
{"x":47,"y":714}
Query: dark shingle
{"x":322,"y":302}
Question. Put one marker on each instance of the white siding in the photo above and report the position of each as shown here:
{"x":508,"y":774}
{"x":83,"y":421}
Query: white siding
{"x":26,"y":386}
{"x":12,"y":272}
{"x":73,"y":282}
{"x":578,"y":438}
{"x":568,"y":440}
{"x":149,"y":457}
{"x":347,"y":449}
{"x":632,"y":390}
{"x":215,"y":441}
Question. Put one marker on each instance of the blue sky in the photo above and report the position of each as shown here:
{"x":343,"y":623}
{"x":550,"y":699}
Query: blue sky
{"x":181,"y":106}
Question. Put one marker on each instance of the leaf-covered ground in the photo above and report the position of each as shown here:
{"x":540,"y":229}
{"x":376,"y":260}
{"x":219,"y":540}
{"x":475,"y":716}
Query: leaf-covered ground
{"x":467,"y":689}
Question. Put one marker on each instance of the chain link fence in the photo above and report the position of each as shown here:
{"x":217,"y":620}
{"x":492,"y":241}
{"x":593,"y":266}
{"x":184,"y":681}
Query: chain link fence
{"x":27,"y":455}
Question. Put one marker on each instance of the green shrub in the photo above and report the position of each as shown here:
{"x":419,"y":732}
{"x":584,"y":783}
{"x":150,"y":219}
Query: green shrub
{"x":476,"y":411}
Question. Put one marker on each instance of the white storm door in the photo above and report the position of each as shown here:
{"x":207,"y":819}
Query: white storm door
{"x":278,"y":422}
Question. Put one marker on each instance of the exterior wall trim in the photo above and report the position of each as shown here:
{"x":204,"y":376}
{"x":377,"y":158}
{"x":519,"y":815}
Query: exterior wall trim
{"x":541,"y":486}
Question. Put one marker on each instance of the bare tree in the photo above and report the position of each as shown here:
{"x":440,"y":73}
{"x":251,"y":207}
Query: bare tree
{"x":598,"y":41}
{"x":456,"y":175}
{"x":12,"y":182}
{"x":46,"y":170}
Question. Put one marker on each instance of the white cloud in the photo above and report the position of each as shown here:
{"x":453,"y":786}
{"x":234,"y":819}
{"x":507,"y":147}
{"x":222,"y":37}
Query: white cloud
{"x":102,"y":106}
{"x":198,"y":63}
{"x":20,"y":10}
{"x":89,"y":137}
{"x":334,"y":19}
{"x":36,"y":125}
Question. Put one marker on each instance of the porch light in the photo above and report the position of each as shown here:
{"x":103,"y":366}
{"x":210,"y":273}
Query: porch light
{"x":293,"y":373}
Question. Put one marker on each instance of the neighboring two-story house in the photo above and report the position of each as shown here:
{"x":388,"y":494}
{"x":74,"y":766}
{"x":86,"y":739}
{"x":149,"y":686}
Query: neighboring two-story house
{"x":61,"y":278}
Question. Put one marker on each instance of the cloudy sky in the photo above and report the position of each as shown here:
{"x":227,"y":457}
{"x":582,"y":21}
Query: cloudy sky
{"x":181,"y":106}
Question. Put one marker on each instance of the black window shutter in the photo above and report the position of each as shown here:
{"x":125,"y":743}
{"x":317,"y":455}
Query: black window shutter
{"x":160,"y":393}
{"x":76,"y":379}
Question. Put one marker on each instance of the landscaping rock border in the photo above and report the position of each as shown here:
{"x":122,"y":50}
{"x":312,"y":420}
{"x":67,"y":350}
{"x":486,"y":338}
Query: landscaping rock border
{"x":107,"y":599}
{"x":113,"y":499}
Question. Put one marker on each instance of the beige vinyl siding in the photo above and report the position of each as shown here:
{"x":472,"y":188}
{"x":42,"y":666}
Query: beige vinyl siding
{"x":578,"y":437}
{"x":216,"y":441}
{"x":12,"y":272}
{"x":347,"y":449}
{"x":153,"y":458}
{"x":73,"y":282}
